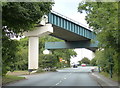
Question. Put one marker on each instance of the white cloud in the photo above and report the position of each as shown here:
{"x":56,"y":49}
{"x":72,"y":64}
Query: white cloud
{"x":81,"y":53}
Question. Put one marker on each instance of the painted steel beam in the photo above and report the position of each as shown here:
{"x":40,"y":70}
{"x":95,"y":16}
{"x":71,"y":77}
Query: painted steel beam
{"x":71,"y":45}
{"x":69,"y":25}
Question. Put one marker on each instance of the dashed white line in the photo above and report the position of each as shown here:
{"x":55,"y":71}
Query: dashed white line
{"x":96,"y":75}
{"x":65,"y":78}
{"x":57,"y":84}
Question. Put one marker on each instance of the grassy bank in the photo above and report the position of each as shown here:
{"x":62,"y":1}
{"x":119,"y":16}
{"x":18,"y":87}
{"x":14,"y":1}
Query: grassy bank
{"x":115,"y":77}
{"x":9,"y":78}
{"x":17,"y":73}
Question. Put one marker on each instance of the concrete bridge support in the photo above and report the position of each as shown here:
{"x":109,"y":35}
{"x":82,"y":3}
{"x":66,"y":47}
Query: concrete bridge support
{"x":33,"y":52}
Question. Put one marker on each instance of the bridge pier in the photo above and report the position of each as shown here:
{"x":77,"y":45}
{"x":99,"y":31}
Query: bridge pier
{"x":33,"y":50}
{"x":33,"y":53}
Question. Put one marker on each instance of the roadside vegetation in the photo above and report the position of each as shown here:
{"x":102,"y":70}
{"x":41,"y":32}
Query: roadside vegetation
{"x":103,"y":18}
{"x":114,"y":78}
{"x":85,"y":60}
{"x":8,"y":79}
{"x":18,"y":17}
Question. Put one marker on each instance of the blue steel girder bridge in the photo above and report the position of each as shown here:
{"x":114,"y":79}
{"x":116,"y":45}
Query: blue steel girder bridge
{"x":74,"y":35}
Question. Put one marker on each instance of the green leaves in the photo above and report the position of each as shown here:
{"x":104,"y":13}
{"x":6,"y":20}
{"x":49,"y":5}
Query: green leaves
{"x":18,"y":17}
{"x":22,"y":16}
{"x":103,"y":18}
{"x":66,"y":54}
{"x":9,"y":48}
{"x":100,"y":15}
{"x":85,"y":60}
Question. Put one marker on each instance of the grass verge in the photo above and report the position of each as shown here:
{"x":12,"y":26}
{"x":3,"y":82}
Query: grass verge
{"x":17,"y":73}
{"x":114,"y":78}
{"x":8,"y":79}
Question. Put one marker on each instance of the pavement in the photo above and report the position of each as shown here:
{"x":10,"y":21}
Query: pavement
{"x":104,"y":82}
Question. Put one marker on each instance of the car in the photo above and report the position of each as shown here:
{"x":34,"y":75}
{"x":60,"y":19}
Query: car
{"x":74,"y":66}
{"x":83,"y":65}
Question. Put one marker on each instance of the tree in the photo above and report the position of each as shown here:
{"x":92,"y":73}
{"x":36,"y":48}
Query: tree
{"x":103,"y":59}
{"x":85,"y":60}
{"x":21,"y":62}
{"x":9,"y":48}
{"x":80,"y":62}
{"x":66,"y":54}
{"x":93,"y":62}
{"x":51,"y":60}
{"x":23,"y":16}
{"x":18,"y":17}
{"x":48,"y":61}
{"x":102,"y":17}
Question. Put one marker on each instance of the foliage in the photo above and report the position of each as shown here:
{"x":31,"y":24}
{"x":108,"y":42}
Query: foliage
{"x":48,"y":61}
{"x":45,"y":61}
{"x":44,"y":39}
{"x":8,"y":54}
{"x":18,"y":17}
{"x":115,"y":77}
{"x":85,"y":60}
{"x":65,"y":54}
{"x":22,"y":16}
{"x":102,"y":17}
{"x":56,"y":54}
{"x":103,"y":60}
{"x":7,"y":79}
{"x":93,"y":62}
{"x":22,"y":55}
{"x":80,"y":62}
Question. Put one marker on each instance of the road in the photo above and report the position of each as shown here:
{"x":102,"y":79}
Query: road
{"x":65,"y":77}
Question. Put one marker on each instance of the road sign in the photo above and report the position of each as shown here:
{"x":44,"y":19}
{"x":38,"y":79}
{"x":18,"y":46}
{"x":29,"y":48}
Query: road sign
{"x":60,"y":59}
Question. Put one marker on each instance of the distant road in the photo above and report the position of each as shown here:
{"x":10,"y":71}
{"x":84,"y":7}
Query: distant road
{"x":64,"y":77}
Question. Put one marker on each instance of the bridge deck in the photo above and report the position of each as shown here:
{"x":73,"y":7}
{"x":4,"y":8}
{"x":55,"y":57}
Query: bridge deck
{"x":67,"y":29}
{"x":74,"y":34}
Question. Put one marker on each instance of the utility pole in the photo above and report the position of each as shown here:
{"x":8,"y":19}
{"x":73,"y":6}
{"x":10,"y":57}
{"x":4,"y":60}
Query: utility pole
{"x":111,"y":67}
{"x":99,"y":68}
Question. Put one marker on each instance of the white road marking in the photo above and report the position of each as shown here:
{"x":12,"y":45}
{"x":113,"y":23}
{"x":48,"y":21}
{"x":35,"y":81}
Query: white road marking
{"x":60,"y":81}
{"x":96,"y":75}
{"x":65,"y":78}
{"x":57,"y":84}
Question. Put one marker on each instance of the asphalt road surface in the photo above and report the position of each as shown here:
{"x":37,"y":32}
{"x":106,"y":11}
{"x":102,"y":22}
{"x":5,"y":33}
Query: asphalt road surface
{"x":65,"y":77}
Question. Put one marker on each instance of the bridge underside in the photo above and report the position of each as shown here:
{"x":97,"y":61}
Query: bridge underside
{"x":72,"y":45}
{"x":66,"y":34}
{"x":74,"y":35}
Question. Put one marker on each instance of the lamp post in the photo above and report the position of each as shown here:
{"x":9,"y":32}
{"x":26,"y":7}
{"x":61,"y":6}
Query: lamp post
{"x":99,"y":68}
{"x":111,"y":67}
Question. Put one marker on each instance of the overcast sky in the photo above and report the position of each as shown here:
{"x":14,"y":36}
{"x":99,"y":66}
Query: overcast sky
{"x":69,"y":8}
